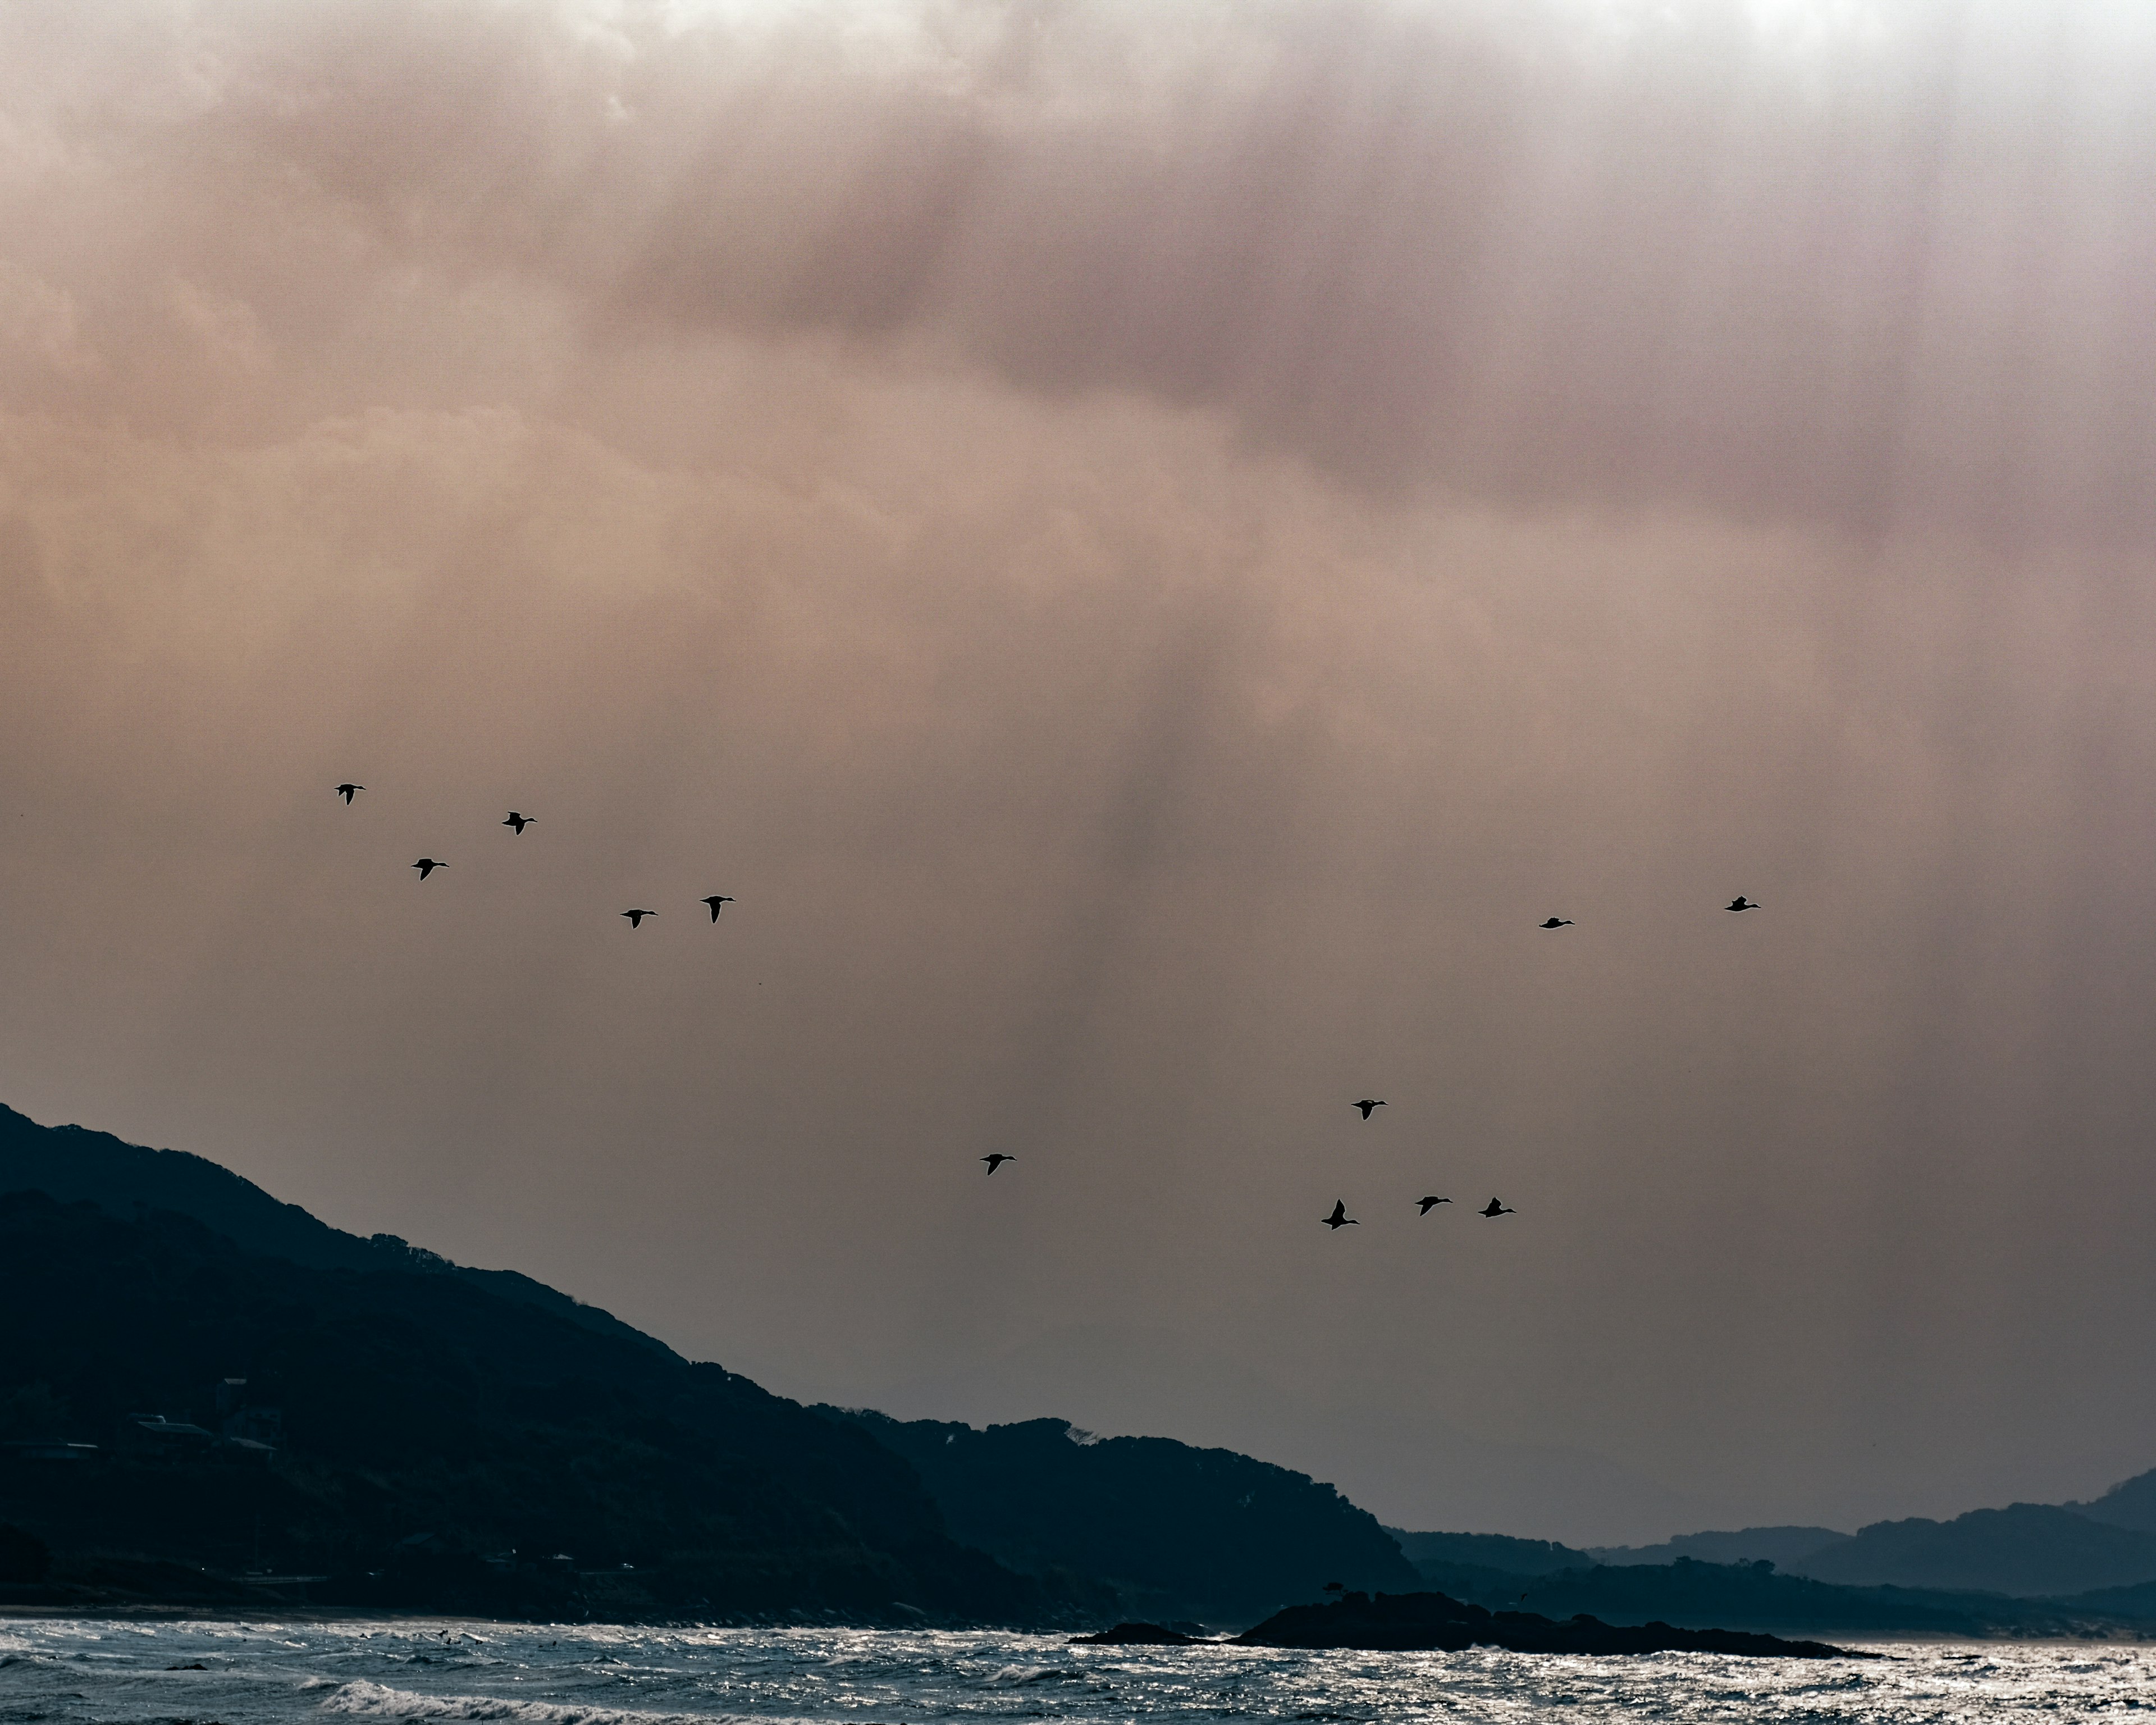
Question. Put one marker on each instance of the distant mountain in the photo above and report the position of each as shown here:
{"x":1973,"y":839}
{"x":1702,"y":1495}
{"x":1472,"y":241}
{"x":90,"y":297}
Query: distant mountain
{"x":1756,"y":1596}
{"x":1787,"y":1547}
{"x":1496,"y":1551}
{"x":2132,"y":1503}
{"x":2027,"y":1548}
{"x":1179,"y":1532}
{"x":1504,"y":1575}
{"x":437,"y":1445}
{"x":72,"y":1164}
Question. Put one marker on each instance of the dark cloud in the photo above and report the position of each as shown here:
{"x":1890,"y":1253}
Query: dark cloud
{"x":1894,"y":269}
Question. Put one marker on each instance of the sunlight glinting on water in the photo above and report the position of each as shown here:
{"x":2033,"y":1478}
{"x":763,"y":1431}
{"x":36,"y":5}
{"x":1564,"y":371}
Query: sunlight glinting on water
{"x":71,"y":1671}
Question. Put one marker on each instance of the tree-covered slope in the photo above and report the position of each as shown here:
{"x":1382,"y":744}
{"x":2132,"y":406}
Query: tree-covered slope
{"x":2131,"y":1503}
{"x":1489,"y":1551}
{"x":429,"y":1425}
{"x":2025,"y":1548}
{"x":1179,"y":1532}
{"x":72,"y":1163}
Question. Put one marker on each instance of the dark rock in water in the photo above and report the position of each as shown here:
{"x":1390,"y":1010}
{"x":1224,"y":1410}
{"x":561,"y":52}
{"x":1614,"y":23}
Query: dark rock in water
{"x":1414,"y":1622}
{"x":1136,"y":1634}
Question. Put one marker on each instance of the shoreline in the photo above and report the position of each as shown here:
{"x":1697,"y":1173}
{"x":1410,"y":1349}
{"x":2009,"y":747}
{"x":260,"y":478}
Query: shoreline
{"x":369,"y":1614}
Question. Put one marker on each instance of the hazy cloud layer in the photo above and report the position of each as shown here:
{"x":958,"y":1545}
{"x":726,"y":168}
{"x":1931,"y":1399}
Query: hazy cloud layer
{"x":1147,"y":546}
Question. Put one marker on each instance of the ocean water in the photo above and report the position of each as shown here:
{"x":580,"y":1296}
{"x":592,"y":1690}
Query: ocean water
{"x":87,"y":1669}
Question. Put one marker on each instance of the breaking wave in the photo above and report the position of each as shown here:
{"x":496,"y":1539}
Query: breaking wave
{"x":377,"y":1701}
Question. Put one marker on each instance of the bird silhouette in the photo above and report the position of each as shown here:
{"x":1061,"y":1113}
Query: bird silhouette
{"x":719,"y":900}
{"x":636,"y":917}
{"x":1557,"y":923}
{"x":346,"y":791}
{"x":997,"y":1159}
{"x":1339,"y":1219}
{"x":1494,"y":1209}
{"x":1425,"y":1205}
{"x":426,"y":865}
{"x":1365,"y":1105}
{"x":519,"y":821}
{"x":1741,"y":903}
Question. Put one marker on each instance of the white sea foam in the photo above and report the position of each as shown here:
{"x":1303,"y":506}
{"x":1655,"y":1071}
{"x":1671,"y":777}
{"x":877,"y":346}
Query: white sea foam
{"x":376,"y":1701}
{"x":1035,"y":1674}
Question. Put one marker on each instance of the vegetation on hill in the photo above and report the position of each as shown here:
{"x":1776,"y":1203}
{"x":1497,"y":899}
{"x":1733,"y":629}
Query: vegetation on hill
{"x":443,"y":1446}
{"x":2031,"y":1550}
{"x":1788,"y":1547}
{"x":1179,"y":1532}
{"x":73,"y":1164}
{"x":2131,"y":1503}
{"x":1496,"y":1551}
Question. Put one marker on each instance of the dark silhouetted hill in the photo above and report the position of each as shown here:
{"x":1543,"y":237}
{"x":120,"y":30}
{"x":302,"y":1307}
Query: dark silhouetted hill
{"x":1784,"y":1545}
{"x":443,"y":1446}
{"x":1756,"y":1596}
{"x":2026,"y":1548}
{"x":1496,"y":1551}
{"x":1179,"y":1532}
{"x":73,"y":1164}
{"x":2131,"y":1503}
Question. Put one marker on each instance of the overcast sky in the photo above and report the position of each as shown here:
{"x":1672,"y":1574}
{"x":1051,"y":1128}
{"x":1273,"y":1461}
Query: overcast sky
{"x":1148,"y":547}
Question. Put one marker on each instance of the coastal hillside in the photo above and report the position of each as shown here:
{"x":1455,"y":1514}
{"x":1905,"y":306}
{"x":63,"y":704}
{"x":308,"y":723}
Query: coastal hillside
{"x":2026,"y":1548}
{"x":212,"y":1384}
{"x":407,"y":1438}
{"x":1788,"y":1547}
{"x":2131,"y":1503}
{"x":1757,"y":1596}
{"x":1179,"y":1532}
{"x":1497,"y":1552}
{"x":75,"y":1164}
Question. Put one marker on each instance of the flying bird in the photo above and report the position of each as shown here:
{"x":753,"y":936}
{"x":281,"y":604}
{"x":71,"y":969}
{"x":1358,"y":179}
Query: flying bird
{"x":519,"y":821}
{"x":1425,"y":1205}
{"x":346,"y":791}
{"x":426,"y":865}
{"x":1339,"y":1219}
{"x":716,"y":901}
{"x":997,"y":1159}
{"x":636,"y":917}
{"x":1494,"y":1209}
{"x":1365,"y":1105}
{"x":1742,"y":903}
{"x":1557,"y":923}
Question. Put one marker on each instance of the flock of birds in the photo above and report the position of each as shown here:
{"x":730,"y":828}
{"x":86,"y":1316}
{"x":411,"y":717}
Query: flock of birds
{"x":516,"y":821}
{"x":1369,"y":1105}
